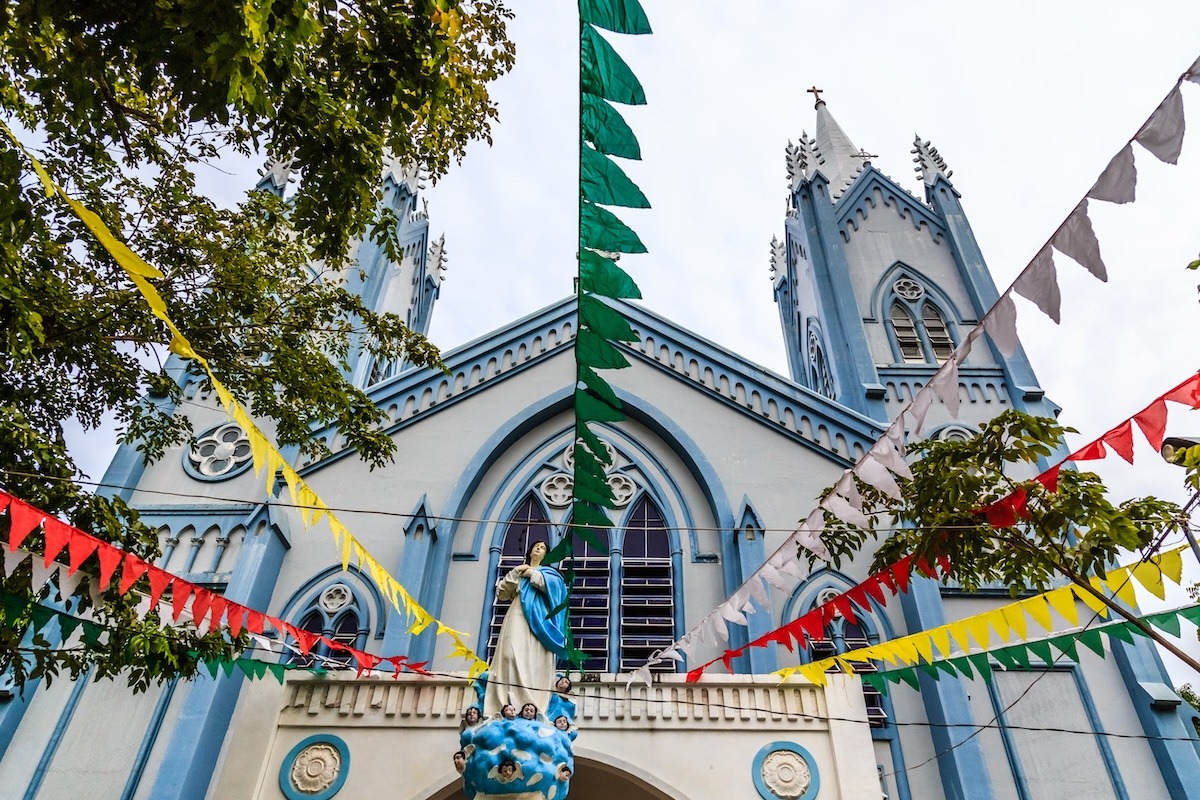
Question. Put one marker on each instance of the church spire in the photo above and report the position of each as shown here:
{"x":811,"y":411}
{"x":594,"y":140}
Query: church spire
{"x":837,"y":157}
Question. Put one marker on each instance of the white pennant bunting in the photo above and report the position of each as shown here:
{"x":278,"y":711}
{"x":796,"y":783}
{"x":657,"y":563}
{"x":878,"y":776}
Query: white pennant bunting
{"x":1118,"y":182}
{"x":670,"y":653}
{"x":919,"y":409}
{"x":41,"y":573}
{"x":1193,"y":74}
{"x":1039,"y":284}
{"x":94,"y":591}
{"x":13,"y":559}
{"x":877,"y":475}
{"x":848,"y":489}
{"x":1163,"y":132}
{"x":1076,"y":239}
{"x":758,"y":590}
{"x":67,"y":584}
{"x":1001,"y":324}
{"x":884,"y":451}
{"x":944,"y":384}
{"x":688,"y":645}
{"x":640,"y":675}
{"x":841,"y":508}
{"x":771,"y":575}
{"x":719,"y":632}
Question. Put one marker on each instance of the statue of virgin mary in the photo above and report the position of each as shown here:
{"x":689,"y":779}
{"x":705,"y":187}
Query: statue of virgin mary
{"x":532,"y":635}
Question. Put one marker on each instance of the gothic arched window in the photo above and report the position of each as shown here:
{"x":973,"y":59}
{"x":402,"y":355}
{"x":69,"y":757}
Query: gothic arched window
{"x":336,"y":613}
{"x":528,"y":523}
{"x":591,"y":611}
{"x":918,"y":326}
{"x":844,"y":636}
{"x":647,"y":591}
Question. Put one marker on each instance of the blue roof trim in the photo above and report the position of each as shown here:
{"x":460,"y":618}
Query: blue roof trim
{"x":859,"y":201}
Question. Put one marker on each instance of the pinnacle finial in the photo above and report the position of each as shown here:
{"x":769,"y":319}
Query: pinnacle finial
{"x":778,"y":261}
{"x":929,"y":161}
{"x":275,"y":174}
{"x":437,"y":259}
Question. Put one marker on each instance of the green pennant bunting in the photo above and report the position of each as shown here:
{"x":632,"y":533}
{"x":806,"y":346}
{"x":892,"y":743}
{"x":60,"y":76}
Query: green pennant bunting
{"x":1168,"y":621}
{"x":1191,"y":614}
{"x":606,"y":129}
{"x":605,"y":321}
{"x":91,"y":634}
{"x":212,"y":667}
{"x":1090,"y":639}
{"x":1119,"y":631}
{"x":68,"y":624}
{"x":909,"y":676}
{"x":929,"y":670}
{"x":947,"y":667}
{"x":982,"y":665}
{"x":599,"y":229}
{"x":585,"y":513}
{"x":591,"y":408}
{"x":1066,"y":646}
{"x":277,"y":671}
{"x":593,"y":351}
{"x":603,"y":73}
{"x":1041,"y":649}
{"x":877,"y":681}
{"x":589,"y":489}
{"x":619,"y":16}
{"x":246,"y":665}
{"x":39,"y":617}
{"x":227,"y":667}
{"x":602,"y":181}
{"x":599,"y":387}
{"x":963,"y":665}
{"x":598,"y":275}
{"x":590,"y":440}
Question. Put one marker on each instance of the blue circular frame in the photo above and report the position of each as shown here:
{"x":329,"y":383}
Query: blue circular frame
{"x":760,"y":757}
{"x":196,"y":474}
{"x":285,"y":783}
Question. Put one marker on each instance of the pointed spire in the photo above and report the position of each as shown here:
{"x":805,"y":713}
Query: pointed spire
{"x":403,"y":173}
{"x":435,"y":264}
{"x":930,"y":163}
{"x":837,"y":157}
{"x":275,"y":175}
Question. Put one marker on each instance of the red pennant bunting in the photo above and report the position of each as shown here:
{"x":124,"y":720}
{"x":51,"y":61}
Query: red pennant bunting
{"x":132,"y":568}
{"x":57,"y":535}
{"x":159,"y":581}
{"x":5,"y":499}
{"x":874,"y":587}
{"x":254,"y":621}
{"x":1187,"y":392}
{"x":219,"y":603}
{"x":419,"y":668}
{"x":365,"y":661}
{"x":1090,"y":452}
{"x":235,"y":615}
{"x":727,"y":659}
{"x":886,"y":578}
{"x":1049,"y":478}
{"x":109,"y":558}
{"x":1120,"y":439}
{"x":694,"y":675}
{"x":842,"y":603}
{"x":900,"y":571}
{"x":201,"y":601}
{"x":813,"y":624}
{"x":304,"y":639}
{"x":180,"y":592}
{"x":780,"y":636}
{"x":925,"y":568}
{"x":828,"y":612}
{"x":79,"y":548}
{"x":23,"y":519}
{"x":332,"y":645}
{"x":1153,"y":422}
{"x":943,"y":561}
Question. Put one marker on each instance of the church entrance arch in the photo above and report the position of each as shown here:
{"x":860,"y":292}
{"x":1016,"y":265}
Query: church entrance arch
{"x":593,"y":780}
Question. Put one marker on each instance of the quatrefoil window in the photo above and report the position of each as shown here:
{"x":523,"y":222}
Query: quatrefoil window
{"x":221,"y":452}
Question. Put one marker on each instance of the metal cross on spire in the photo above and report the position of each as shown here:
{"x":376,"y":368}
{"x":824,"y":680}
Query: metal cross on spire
{"x":816,"y":93}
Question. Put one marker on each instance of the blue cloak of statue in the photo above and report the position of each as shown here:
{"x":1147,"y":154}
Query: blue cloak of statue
{"x":547,"y":613}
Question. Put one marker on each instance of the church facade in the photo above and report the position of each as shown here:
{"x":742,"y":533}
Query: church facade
{"x":718,"y":458}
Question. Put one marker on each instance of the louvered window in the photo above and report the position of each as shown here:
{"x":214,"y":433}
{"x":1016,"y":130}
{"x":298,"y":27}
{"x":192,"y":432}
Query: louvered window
{"x":647,"y":597}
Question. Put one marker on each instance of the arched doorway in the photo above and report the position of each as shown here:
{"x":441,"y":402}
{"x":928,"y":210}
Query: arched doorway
{"x":594,"y":780}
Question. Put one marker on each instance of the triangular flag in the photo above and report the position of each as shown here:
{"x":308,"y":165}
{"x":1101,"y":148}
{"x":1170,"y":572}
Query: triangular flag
{"x":13,"y":558}
{"x":940,"y":637}
{"x":1041,"y":649}
{"x":1171,"y":563}
{"x":1015,"y":618}
{"x":1118,"y":182}
{"x":1090,"y":600}
{"x":80,"y":546}
{"x":1076,"y":239}
{"x":41,"y":574}
{"x":1001,"y":324}
{"x":1066,"y":645}
{"x":958,"y":630}
{"x":1089,"y":452}
{"x":159,"y":581}
{"x":1150,"y":577}
{"x":1049,"y":478}
{"x":57,"y":534}
{"x":109,"y":557}
{"x":22,"y":520}
{"x":1038,"y":611}
{"x":978,"y":628}
{"x":1118,"y":583}
{"x":1163,"y":132}
{"x":201,"y":602}
{"x":235,"y":616}
{"x":1063,"y":601}
{"x":1120,"y":439}
{"x":999,"y":623}
{"x":1187,"y":393}
{"x":1153,"y":422}
{"x":944,"y":384}
{"x":1090,"y":638}
{"x":68,"y":583}
{"x":843,"y":510}
{"x":919,"y":409}
{"x":132,"y":568}
{"x":1038,"y":283}
{"x":180,"y":592}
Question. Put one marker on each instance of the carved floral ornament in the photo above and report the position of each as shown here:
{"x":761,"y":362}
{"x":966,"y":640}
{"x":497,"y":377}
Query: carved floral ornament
{"x":315,"y":768}
{"x":221,"y":452}
{"x":786,"y":774}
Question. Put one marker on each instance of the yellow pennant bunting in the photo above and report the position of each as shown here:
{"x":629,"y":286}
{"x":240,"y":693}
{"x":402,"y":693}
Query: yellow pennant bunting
{"x":1119,"y":584}
{"x":959,"y":631}
{"x":977,"y":626}
{"x":999,"y":624}
{"x":312,"y":508}
{"x":1090,"y":600}
{"x":940,"y":637}
{"x":1015,"y":618}
{"x":1171,"y":563}
{"x":1063,"y":601}
{"x":924,"y":646}
{"x":1038,"y":611}
{"x":1150,"y":576}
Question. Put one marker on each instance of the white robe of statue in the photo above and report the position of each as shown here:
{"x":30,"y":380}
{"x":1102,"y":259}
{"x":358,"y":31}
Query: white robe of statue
{"x":520,"y":662}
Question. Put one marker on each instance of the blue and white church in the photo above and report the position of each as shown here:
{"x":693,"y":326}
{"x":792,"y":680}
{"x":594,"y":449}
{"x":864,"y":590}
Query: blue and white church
{"x":875,"y":286}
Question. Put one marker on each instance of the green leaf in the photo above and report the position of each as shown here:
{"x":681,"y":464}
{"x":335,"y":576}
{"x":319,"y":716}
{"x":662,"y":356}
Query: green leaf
{"x":595,"y":351}
{"x":603,"y":73}
{"x":590,"y":408}
{"x":604,"y":320}
{"x":600,"y":229}
{"x":602,"y":181}
{"x":606,"y":129}
{"x":619,"y":16}
{"x":591,"y":440}
{"x":601,"y":276}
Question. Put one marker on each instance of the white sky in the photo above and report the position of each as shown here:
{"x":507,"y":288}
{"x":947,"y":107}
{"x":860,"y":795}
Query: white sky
{"x":1027,"y":102}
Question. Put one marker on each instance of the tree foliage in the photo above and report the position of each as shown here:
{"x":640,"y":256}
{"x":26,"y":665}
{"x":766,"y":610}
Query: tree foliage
{"x":124,"y":103}
{"x":1072,"y":532}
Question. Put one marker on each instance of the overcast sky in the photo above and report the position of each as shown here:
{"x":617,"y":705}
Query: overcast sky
{"x":1027,"y":102}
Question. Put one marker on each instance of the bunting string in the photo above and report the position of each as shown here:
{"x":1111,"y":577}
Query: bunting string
{"x":1010,"y":621}
{"x":265,"y":455}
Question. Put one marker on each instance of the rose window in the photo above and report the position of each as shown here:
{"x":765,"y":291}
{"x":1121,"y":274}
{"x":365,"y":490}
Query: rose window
{"x":908,"y":289}
{"x":220,"y":452}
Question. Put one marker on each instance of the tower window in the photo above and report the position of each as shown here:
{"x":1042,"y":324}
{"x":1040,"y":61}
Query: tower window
{"x":918,"y":327}
{"x":822,"y":379}
{"x":336,"y":614}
